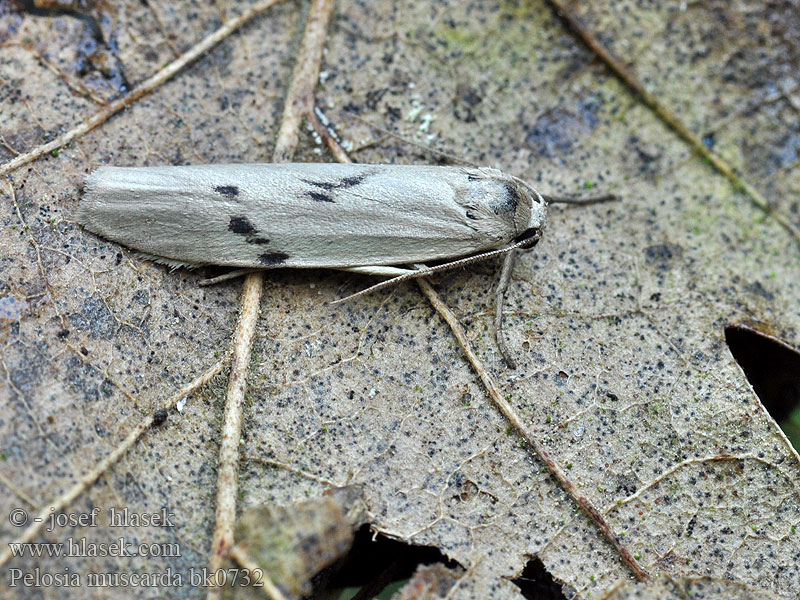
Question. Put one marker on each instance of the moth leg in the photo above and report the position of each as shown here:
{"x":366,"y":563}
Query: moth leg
{"x":528,"y":242}
{"x":371,"y":270}
{"x":395,"y":274}
{"x":500,"y":294}
{"x":226,"y":276}
{"x":379,"y":270}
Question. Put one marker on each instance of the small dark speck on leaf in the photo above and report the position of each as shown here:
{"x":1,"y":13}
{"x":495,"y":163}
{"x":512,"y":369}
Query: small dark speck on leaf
{"x":374,"y":97}
{"x":393,"y":113}
{"x":757,"y":289}
{"x":159,"y":417}
{"x":662,"y":254}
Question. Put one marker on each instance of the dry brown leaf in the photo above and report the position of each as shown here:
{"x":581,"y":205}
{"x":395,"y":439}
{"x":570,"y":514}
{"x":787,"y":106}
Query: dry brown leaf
{"x":616,"y":318}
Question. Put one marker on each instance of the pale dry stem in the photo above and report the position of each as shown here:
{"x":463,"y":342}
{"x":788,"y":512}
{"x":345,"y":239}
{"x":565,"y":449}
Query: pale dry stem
{"x":496,"y":395}
{"x":244,"y":560}
{"x":227,"y":472}
{"x":98,"y":119}
{"x":299,"y":105}
{"x":516,"y":422}
{"x":93,"y":475}
{"x":144,"y":88}
{"x":670,"y":118}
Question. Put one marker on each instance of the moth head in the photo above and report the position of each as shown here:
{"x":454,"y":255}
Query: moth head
{"x":494,"y":194}
{"x":531,"y":213}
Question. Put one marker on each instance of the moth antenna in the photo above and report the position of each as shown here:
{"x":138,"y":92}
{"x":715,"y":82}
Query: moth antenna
{"x":423,"y":147}
{"x":564,"y":199}
{"x":461,"y":262}
{"x":525,"y":184}
{"x":582,"y":201}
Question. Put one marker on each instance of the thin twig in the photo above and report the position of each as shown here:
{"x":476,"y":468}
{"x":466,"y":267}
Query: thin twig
{"x":114,"y":107}
{"x":500,"y":294}
{"x":265,"y":584}
{"x":299,"y":104}
{"x":508,"y":411}
{"x":286,"y":467}
{"x":516,"y":422}
{"x":300,"y":97}
{"x":41,"y":519}
{"x":671,"y":120}
{"x":144,"y":88}
{"x":14,"y":488}
{"x":335,"y":148}
{"x":227,"y":473}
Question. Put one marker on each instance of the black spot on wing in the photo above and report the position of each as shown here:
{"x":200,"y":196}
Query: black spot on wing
{"x":512,"y":197}
{"x":510,"y":200}
{"x":353,"y":181}
{"x":329,"y":186}
{"x":273,"y":258}
{"x":344,"y":183}
{"x":231,"y":191}
{"x":323,"y":185}
{"x":320,"y":197}
{"x":241,"y":225}
{"x":472,"y":215}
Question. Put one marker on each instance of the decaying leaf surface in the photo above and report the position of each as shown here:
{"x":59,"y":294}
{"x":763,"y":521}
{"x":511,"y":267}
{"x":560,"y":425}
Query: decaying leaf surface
{"x":430,"y":582}
{"x":294,"y":543}
{"x":616,"y":318}
{"x":665,"y":587}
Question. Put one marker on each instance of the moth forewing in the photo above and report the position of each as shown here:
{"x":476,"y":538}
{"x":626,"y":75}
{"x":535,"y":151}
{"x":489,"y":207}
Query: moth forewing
{"x":308,"y":214}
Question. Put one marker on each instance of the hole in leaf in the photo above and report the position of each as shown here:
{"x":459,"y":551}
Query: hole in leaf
{"x":376,"y":567}
{"x":773,"y":369}
{"x":536,"y":582}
